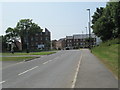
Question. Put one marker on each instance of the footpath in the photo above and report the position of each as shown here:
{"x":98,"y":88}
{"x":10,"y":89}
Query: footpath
{"x":94,"y":74}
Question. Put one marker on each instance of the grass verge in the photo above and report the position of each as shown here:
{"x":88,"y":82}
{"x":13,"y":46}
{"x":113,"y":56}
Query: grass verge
{"x":108,"y":53}
{"x":31,"y":53}
{"x":16,"y":58}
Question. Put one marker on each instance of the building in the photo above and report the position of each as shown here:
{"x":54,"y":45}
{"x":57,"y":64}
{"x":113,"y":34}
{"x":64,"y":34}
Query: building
{"x":54,"y":44}
{"x":60,"y":44}
{"x":40,"y":41}
{"x":76,"y":41}
{"x":81,"y":41}
{"x":69,"y":42}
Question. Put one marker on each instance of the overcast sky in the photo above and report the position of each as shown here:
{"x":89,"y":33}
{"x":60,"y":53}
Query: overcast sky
{"x":60,"y":18}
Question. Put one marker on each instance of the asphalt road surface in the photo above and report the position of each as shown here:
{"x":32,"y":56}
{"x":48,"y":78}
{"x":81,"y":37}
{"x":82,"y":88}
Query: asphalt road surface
{"x":64,"y":69}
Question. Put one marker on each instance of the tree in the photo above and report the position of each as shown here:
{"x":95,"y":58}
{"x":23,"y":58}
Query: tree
{"x":97,"y":14}
{"x":106,"y":21}
{"x":26,"y":28}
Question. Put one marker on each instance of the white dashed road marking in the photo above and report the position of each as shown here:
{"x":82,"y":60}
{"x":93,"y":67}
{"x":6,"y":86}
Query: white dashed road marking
{"x":27,"y":70}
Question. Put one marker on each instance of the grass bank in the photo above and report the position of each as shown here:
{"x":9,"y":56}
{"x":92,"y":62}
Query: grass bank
{"x":31,"y":53}
{"x":107,"y":52}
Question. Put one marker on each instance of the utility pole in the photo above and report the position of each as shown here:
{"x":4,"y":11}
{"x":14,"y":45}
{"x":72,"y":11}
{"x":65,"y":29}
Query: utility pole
{"x":86,"y":38}
{"x":89,"y":30}
{"x":27,"y":42}
{"x":82,"y":39}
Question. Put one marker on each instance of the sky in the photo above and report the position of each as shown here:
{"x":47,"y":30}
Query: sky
{"x":60,"y":18}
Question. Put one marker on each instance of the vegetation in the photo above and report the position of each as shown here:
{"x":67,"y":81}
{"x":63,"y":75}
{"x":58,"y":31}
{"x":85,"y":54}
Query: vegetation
{"x":32,"y":53}
{"x":106,"y":25}
{"x":16,"y":58}
{"x":23,"y":30}
{"x":105,"y":21}
{"x":108,"y":54}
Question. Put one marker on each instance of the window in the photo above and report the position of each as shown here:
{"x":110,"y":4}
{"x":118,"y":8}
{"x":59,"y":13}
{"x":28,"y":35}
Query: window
{"x":36,"y":43}
{"x":46,"y":38}
{"x":31,"y":38}
{"x":36,"y":34}
{"x":41,"y":38}
{"x":36,"y":38}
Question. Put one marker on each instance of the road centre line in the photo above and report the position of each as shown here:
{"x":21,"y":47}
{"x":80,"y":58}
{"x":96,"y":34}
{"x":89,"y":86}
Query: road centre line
{"x":2,"y":82}
{"x":27,"y":70}
{"x":77,"y":70}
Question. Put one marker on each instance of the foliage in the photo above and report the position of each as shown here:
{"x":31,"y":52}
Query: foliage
{"x":24,"y":29}
{"x":106,"y":21}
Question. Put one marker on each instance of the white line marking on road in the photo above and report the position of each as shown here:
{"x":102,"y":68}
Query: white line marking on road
{"x":2,"y":82}
{"x":47,"y":62}
{"x":75,"y":78}
{"x":27,"y":70}
{"x":57,"y":57}
{"x":50,"y":60}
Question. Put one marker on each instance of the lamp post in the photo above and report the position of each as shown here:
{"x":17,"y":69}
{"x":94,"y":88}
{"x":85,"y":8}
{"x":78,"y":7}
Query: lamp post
{"x":86,"y":31}
{"x":89,"y":29}
{"x":27,"y":42}
{"x":86,"y":37}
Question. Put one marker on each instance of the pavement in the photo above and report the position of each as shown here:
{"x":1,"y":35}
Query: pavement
{"x":64,"y":69}
{"x":94,"y":74}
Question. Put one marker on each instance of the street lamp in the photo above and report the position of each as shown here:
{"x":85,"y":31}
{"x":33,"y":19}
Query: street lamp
{"x":86,"y":32}
{"x":89,"y":29}
{"x":27,"y":39}
{"x":86,"y":37}
{"x":26,"y":27}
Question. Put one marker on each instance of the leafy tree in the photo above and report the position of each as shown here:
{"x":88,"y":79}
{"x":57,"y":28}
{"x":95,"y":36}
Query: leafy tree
{"x":106,"y":21}
{"x":11,"y":33}
{"x":26,"y":27}
{"x":97,"y":14}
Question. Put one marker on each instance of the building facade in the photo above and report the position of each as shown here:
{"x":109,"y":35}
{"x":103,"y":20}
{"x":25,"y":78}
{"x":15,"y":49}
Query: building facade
{"x":60,"y":44}
{"x":40,"y":41}
{"x":81,"y":41}
{"x":76,"y":41}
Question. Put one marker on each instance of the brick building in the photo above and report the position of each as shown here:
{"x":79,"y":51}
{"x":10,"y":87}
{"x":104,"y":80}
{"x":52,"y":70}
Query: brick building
{"x":40,"y":41}
{"x":60,"y":44}
{"x":80,"y":41}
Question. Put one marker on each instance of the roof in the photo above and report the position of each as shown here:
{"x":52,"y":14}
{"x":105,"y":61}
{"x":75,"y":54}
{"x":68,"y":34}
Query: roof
{"x":69,"y":37}
{"x":80,"y":36}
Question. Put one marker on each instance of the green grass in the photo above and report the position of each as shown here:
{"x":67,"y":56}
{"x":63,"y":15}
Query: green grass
{"x":16,"y":58}
{"x":107,"y":52}
{"x":31,"y":53}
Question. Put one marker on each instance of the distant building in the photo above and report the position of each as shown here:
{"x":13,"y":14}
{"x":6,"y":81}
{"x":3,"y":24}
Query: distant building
{"x":69,"y":43}
{"x":60,"y":44}
{"x":81,"y":41}
{"x":54,"y":44}
{"x":40,"y":41}
{"x":76,"y":41}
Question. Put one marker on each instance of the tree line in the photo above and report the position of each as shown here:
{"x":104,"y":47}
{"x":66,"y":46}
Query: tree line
{"x":106,"y":21}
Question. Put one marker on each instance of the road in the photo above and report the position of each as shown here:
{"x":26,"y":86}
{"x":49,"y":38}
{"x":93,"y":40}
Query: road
{"x":59,"y":70}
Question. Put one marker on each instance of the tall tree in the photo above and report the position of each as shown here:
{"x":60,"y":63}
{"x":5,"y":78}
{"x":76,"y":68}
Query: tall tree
{"x":106,"y":21}
{"x":26,"y":28}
